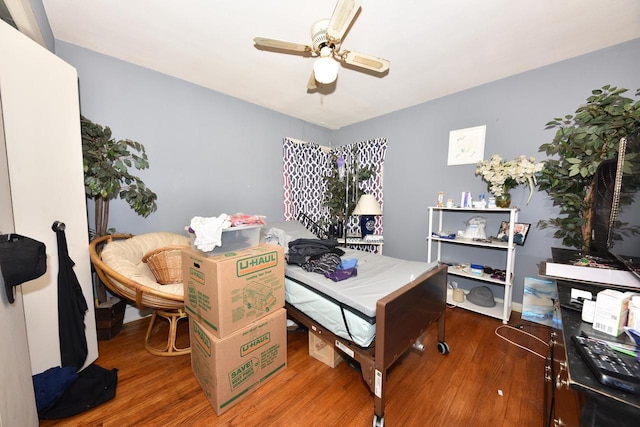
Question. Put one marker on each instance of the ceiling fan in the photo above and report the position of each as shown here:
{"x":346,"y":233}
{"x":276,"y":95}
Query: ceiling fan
{"x":327,"y":37}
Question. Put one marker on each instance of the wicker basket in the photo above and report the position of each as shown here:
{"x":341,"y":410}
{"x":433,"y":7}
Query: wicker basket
{"x":166,"y":263}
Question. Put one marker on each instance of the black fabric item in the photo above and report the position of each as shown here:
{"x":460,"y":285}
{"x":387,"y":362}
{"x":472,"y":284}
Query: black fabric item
{"x":72,"y":307}
{"x":326,"y":263}
{"x":21,"y":259}
{"x":94,"y":386}
{"x":49,"y":386}
{"x":303,"y":250}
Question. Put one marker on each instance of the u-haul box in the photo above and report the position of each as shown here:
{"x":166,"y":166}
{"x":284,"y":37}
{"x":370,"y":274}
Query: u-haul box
{"x":231,"y":368}
{"x":229,"y":291}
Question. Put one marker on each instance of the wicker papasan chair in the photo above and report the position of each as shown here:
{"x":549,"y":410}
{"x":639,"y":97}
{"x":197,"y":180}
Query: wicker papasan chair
{"x":118,"y":261}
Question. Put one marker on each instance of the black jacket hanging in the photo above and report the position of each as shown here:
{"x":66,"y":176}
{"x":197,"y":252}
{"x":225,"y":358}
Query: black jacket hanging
{"x":72,"y":307}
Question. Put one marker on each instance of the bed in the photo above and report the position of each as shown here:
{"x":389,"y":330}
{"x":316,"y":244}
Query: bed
{"x":373,"y":318}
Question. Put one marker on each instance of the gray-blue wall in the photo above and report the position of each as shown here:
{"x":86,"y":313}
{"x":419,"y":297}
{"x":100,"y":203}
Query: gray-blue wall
{"x":515,"y":111}
{"x":211,"y":153}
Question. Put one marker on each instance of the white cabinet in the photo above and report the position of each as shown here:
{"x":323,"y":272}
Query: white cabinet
{"x":460,"y":267}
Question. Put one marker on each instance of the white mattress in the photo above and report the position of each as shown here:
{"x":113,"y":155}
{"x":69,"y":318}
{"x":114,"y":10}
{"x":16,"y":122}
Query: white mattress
{"x":329,"y":314}
{"x":377,"y":277}
{"x":322,"y":299}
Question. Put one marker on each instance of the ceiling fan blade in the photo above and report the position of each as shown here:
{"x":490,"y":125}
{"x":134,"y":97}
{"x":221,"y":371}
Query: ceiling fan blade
{"x":342,"y":16}
{"x":279,"y":44}
{"x":363,"y":60}
{"x":312,"y":84}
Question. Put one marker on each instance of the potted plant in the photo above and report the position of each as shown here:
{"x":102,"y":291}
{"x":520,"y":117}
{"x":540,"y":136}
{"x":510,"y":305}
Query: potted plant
{"x":106,"y":163}
{"x":582,"y":141}
{"x":344,"y":178}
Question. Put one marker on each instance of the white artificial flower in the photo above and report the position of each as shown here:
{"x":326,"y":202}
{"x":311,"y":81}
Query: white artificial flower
{"x":502,"y":175}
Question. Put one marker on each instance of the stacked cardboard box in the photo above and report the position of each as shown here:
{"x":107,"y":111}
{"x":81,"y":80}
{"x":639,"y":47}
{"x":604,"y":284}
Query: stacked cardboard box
{"x":237,"y":320}
{"x":323,"y":351}
{"x":229,"y":369}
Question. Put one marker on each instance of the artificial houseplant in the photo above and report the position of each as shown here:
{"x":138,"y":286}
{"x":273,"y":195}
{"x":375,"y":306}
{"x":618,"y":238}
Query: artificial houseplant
{"x":582,"y":141}
{"x":343,"y":189}
{"x":106,"y":163}
{"x":502,"y":176}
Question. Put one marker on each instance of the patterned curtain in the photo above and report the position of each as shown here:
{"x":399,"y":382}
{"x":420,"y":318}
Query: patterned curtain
{"x":306,"y":165}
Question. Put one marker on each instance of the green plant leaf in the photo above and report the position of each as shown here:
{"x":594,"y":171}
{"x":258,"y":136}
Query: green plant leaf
{"x":106,"y":165}
{"x":582,"y":141}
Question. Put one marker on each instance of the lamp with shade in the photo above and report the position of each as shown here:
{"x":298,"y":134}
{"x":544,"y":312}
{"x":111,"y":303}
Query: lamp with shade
{"x":367,"y":208}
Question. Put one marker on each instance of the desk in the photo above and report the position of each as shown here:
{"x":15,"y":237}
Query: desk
{"x":600,"y":405}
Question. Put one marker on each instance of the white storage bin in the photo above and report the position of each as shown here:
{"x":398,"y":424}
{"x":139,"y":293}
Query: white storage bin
{"x":233,"y":239}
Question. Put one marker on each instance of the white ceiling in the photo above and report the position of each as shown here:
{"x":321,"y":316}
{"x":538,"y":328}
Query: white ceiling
{"x":436,"y":47}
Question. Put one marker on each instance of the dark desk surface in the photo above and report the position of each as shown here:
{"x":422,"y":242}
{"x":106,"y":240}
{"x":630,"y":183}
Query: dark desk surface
{"x":581,"y":378}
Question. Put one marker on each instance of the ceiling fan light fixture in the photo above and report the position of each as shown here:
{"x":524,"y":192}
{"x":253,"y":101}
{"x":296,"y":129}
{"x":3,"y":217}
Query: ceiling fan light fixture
{"x":327,"y":36}
{"x":326,"y":70}
{"x":325,"y":67}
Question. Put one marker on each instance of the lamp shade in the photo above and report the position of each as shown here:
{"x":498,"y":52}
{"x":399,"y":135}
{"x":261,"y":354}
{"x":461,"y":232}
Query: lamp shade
{"x":367,"y":205}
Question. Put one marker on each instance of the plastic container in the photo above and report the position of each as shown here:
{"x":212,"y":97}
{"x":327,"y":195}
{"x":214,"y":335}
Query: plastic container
{"x":233,"y":239}
{"x":477,"y":269}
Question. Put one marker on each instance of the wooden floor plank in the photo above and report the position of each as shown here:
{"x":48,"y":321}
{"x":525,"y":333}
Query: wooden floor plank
{"x":461,"y":388}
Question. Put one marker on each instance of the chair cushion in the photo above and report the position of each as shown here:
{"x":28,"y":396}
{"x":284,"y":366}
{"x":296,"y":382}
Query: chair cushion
{"x":125,"y":257}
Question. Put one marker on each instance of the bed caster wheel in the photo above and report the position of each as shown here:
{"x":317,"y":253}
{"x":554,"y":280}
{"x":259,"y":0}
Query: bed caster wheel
{"x":378,"y":421}
{"x":443,"y":347}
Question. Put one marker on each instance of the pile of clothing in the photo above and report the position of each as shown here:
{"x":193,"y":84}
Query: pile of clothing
{"x":208,"y":230}
{"x":321,"y":256}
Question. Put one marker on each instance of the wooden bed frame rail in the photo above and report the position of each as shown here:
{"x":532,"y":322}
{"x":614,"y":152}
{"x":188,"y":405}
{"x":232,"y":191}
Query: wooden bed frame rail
{"x":402,"y":318}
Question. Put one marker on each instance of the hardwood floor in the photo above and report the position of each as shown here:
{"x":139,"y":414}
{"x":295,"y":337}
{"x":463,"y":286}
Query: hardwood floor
{"x":483,"y":381}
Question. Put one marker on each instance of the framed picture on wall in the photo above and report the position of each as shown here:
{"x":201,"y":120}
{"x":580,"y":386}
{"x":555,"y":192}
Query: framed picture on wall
{"x":466,"y":146}
{"x":520,"y":230}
